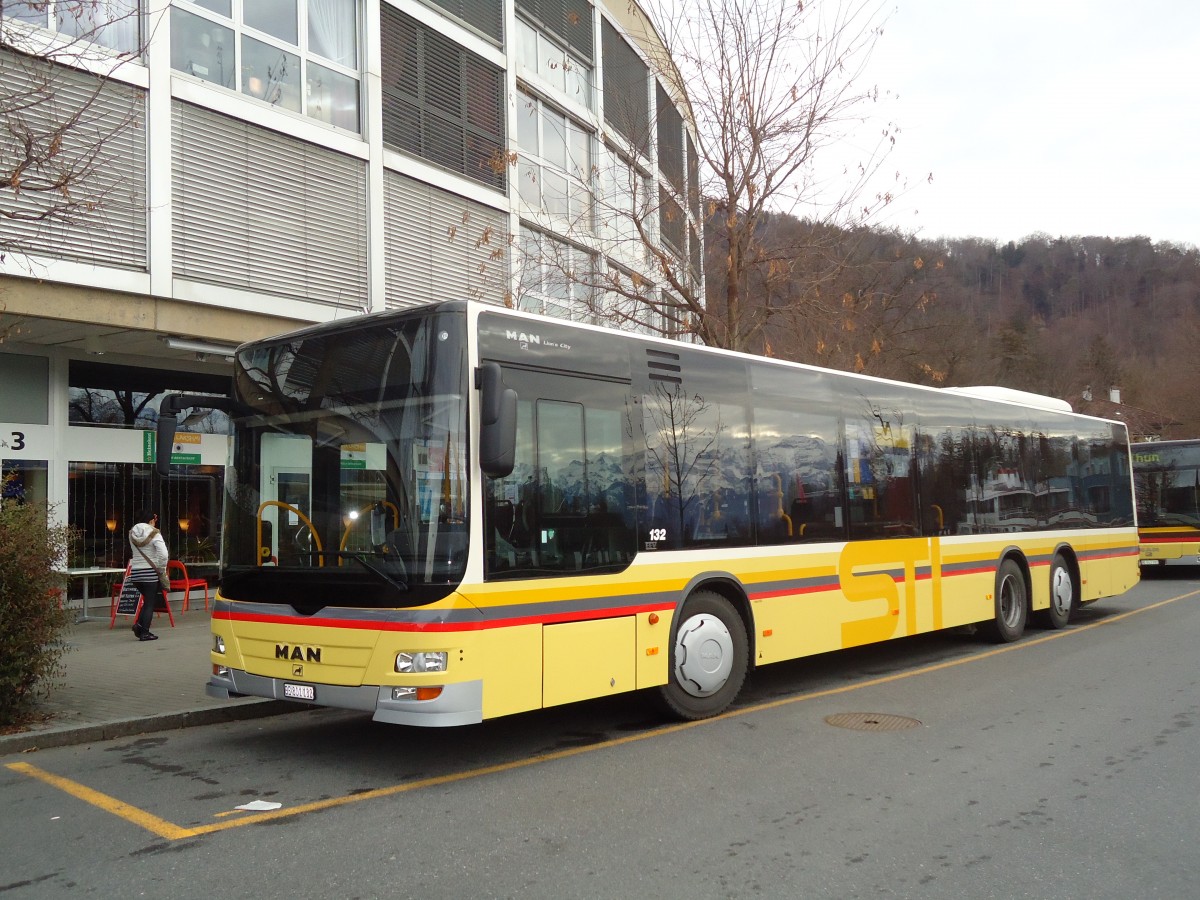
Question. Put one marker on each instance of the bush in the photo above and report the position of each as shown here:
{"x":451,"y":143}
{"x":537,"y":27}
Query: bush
{"x":32,"y":618}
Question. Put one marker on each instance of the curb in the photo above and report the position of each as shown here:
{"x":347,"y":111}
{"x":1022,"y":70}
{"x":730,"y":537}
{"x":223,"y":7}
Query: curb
{"x":45,"y":739}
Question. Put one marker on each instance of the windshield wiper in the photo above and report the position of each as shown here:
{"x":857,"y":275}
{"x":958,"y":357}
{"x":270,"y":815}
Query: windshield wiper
{"x":361,"y":559}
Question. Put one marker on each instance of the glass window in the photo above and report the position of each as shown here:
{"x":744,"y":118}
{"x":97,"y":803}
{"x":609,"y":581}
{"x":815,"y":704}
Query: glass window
{"x":1006,"y":498}
{"x":333,"y":31}
{"x":527,"y":126}
{"x":1104,"y":482}
{"x":352,"y":468}
{"x":24,"y":480}
{"x":208,"y":48}
{"x":526,"y":46}
{"x":32,"y":11}
{"x":274,"y":17}
{"x":579,"y":82}
{"x":202,"y":48}
{"x":103,"y":500}
{"x":554,"y":138}
{"x":128,"y":396}
{"x":556,"y":150}
{"x":545,"y":60}
{"x":570,"y":503}
{"x":218,"y":6}
{"x":554,"y":194}
{"x":798,"y":460}
{"x":270,"y":74}
{"x":881,"y":495}
{"x":945,"y":454}
{"x":115,"y":24}
{"x":623,"y":195}
{"x":530,"y":183}
{"x":554,"y":278}
{"x":332,"y":97}
{"x":799,"y":483}
{"x":698,"y":475}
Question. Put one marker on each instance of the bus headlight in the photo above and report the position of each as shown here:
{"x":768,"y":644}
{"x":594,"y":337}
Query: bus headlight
{"x":410,"y":663}
{"x":218,"y":644}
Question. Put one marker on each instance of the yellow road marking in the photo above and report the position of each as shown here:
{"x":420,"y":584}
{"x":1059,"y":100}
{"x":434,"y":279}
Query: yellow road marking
{"x":169,"y":831}
{"x":140,"y":817}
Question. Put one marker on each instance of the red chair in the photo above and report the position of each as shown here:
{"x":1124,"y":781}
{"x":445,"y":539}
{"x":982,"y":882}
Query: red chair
{"x":177,"y":573}
{"x":116,"y":595}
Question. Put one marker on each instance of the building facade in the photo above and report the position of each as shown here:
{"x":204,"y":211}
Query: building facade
{"x":267,"y":164}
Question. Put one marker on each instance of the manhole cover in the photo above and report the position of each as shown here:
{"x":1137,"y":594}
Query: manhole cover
{"x":871,"y":721}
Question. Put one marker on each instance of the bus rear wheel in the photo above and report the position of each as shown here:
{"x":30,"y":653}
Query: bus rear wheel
{"x":1012,"y":605}
{"x":708,"y":658}
{"x":1062,"y":595}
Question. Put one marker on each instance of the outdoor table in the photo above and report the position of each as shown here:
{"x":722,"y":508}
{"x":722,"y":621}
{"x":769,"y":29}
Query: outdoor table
{"x":87,"y":573}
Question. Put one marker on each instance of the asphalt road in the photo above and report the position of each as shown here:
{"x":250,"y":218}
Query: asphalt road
{"x":1062,"y":766}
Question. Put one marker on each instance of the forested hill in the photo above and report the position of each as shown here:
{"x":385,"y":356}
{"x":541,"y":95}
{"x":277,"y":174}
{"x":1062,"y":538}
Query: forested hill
{"x":1070,"y":313}
{"x":1062,"y":316}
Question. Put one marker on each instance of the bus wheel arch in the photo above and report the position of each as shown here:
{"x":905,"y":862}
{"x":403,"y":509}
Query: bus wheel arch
{"x":709,"y":653}
{"x":1064,"y":586}
{"x":1011,"y":600}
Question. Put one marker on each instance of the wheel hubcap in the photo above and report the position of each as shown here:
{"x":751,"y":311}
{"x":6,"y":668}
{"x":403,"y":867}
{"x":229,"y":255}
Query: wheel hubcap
{"x":1061,"y":592}
{"x":703,"y":655}
{"x":1009,"y":610}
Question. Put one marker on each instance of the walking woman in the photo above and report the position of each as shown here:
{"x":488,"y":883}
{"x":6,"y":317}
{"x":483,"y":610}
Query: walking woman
{"x":147,"y":569}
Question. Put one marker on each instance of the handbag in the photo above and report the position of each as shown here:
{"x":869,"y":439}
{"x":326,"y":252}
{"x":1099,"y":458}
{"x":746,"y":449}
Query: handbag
{"x":163,"y":581}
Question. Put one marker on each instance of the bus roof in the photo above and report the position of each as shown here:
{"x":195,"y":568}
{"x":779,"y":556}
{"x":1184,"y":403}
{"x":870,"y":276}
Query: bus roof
{"x":1012,"y":395}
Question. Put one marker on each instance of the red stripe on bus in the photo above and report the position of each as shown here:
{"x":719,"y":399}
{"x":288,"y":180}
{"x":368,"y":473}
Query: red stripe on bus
{"x":361,"y":625}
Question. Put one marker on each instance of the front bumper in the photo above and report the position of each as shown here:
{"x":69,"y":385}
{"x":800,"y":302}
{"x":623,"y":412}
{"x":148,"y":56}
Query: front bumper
{"x":458,"y":704}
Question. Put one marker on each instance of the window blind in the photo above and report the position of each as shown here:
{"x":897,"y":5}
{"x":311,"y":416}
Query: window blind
{"x":439,"y":246}
{"x":257,"y":210}
{"x":100,"y":216}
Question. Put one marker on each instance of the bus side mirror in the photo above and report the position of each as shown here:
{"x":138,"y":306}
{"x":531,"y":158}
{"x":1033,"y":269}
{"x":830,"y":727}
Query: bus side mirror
{"x":497,"y":422}
{"x":168,"y":420}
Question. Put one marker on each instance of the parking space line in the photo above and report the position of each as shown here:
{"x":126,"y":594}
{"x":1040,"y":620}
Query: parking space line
{"x":139,"y":817}
{"x":173,"y":832}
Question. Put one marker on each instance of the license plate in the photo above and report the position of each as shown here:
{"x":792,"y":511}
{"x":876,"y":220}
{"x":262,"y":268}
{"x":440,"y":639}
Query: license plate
{"x":299,"y":692}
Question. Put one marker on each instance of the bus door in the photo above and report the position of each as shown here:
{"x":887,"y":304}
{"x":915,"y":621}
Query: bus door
{"x":287,"y":480}
{"x":569,"y":504}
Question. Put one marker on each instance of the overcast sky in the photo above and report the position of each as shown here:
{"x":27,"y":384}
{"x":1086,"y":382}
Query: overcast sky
{"x":1071,"y":117}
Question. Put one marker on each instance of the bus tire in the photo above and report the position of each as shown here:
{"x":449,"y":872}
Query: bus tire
{"x":1062,"y":595}
{"x":708,"y":658}
{"x":1012,"y":605}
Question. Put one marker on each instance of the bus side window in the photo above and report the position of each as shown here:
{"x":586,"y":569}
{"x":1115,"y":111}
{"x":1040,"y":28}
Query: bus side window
{"x":879,"y":445}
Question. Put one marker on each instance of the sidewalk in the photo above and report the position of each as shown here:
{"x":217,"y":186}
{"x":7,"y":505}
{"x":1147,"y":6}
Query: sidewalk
{"x":113,"y":685}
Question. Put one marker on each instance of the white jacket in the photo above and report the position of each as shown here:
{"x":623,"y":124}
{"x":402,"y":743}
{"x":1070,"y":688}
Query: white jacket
{"x":149,"y":539}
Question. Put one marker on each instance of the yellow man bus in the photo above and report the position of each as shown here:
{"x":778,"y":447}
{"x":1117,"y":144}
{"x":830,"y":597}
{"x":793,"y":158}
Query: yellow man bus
{"x":456,"y":512}
{"x":1167,"y":483}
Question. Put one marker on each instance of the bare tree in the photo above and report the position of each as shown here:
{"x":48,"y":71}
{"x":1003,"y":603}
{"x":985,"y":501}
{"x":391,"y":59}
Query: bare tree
{"x":65,"y":125}
{"x":771,"y":86}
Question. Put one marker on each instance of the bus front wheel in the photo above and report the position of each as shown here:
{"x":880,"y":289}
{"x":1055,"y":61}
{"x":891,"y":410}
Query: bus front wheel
{"x":708,"y":658}
{"x":1012,"y":605}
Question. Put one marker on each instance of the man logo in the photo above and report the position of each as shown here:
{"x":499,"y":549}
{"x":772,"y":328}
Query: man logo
{"x":297,"y":653}
{"x":297,"y":671}
{"x":522,"y":338}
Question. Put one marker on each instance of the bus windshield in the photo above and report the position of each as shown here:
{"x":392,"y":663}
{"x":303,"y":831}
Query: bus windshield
{"x":1167,"y":478}
{"x":347,"y":484}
